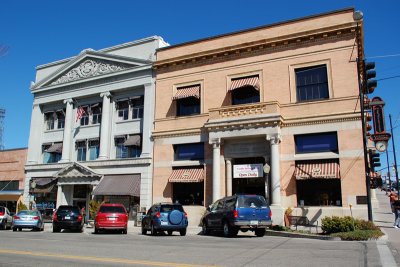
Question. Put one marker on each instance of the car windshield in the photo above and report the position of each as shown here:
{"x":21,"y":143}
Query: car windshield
{"x":168,"y":208}
{"x":28,"y":212}
{"x":112,"y":209}
{"x":64,"y":210}
{"x":251,"y":201}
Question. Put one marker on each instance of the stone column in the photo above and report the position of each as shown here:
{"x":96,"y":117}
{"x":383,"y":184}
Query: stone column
{"x":148,"y":115}
{"x":35,"y":144}
{"x":66,"y":152}
{"x":275,"y":169}
{"x":228,"y":164}
{"x":105,"y":127}
{"x":216,"y":180}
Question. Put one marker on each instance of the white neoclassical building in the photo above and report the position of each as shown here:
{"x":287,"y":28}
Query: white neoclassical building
{"x":92,"y":118}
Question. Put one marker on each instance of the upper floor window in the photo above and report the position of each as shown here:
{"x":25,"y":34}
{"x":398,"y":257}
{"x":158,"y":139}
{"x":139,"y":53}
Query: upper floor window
{"x":80,"y":150}
{"x":312,"y":83}
{"x":50,"y":119}
{"x":193,"y":151}
{"x":87,"y":149}
{"x":52,"y":152}
{"x":187,"y":100}
{"x":84,"y":120}
{"x":60,"y":119}
{"x":313,"y":143}
{"x":95,"y":112}
{"x":128,"y":146}
{"x":9,"y":185}
{"x":94,"y":149}
{"x":245,"y":90}
{"x":131,"y":108}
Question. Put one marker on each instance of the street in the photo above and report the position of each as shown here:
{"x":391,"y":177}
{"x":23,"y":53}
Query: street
{"x":29,"y":248}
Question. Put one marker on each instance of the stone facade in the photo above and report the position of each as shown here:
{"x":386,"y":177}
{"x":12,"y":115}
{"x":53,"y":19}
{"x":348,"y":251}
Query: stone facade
{"x":264,"y":131}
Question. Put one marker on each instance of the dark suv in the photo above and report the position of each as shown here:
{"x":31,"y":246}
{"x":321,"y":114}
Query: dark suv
{"x":238,"y":212}
{"x":165,"y":217}
{"x":67,"y":217}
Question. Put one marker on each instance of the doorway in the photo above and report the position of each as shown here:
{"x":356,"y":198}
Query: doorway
{"x":249,"y":185}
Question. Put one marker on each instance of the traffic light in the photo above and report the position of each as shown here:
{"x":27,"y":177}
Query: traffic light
{"x":374,"y":160}
{"x":369,"y":74}
{"x":368,"y":126}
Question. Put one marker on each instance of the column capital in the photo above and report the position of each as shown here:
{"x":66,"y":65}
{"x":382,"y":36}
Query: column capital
{"x":105,"y":94}
{"x":68,"y":101}
{"x":216,"y":142}
{"x":274,"y":139}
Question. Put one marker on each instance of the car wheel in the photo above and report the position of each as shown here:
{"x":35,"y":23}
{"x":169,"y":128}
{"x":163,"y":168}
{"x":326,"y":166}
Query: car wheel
{"x":169,"y":232}
{"x":144,"y":231}
{"x":204,"y":228}
{"x":229,"y":231}
{"x":153,"y":230}
{"x":96,"y":230}
{"x":260,"y":232}
{"x":20,"y":229}
{"x":14,"y":229}
{"x":56,"y":229}
{"x":3,"y":225}
{"x":183,"y":232}
{"x":125,"y":231}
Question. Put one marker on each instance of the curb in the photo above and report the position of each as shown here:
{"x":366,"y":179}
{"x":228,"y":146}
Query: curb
{"x":300,"y":235}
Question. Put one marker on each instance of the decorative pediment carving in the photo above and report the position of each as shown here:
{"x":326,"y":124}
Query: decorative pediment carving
{"x":75,"y":170}
{"x":89,"y":68}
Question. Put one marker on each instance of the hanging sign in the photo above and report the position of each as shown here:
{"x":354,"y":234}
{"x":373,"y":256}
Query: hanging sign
{"x":248,"y":171}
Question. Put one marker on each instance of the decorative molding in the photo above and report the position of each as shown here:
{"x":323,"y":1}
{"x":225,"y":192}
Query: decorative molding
{"x":90,"y":68}
{"x":105,"y":94}
{"x":274,"y":139}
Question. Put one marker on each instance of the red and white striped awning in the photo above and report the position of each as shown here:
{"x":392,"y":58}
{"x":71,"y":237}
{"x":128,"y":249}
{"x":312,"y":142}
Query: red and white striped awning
{"x":327,"y":169}
{"x":185,"y":92}
{"x":192,"y":175}
{"x":253,"y":81}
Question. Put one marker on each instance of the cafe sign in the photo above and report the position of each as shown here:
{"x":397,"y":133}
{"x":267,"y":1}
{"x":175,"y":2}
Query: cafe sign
{"x":248,"y":171}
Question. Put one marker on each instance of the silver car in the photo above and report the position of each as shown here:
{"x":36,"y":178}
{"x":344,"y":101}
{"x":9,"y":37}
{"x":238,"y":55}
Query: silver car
{"x":31,"y":219}
{"x":5,"y":218}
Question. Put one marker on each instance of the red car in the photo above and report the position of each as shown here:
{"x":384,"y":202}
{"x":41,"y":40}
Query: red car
{"x":111,"y":217}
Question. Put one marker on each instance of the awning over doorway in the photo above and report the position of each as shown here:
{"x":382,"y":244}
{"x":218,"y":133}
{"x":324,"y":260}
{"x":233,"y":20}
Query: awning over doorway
{"x":185,"y":92}
{"x":326,"y":169}
{"x":119,"y":185}
{"x":192,"y":175}
{"x":42,"y":185}
{"x":253,"y":81}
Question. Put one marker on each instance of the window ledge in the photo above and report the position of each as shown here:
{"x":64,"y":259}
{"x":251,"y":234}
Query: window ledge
{"x":54,"y":130}
{"x":184,"y":163}
{"x":127,"y":121}
{"x":312,"y":156}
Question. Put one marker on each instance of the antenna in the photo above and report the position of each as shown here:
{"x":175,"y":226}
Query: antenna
{"x":2,"y":116}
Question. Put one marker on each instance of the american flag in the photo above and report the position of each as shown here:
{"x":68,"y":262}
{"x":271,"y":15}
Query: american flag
{"x":79,"y":113}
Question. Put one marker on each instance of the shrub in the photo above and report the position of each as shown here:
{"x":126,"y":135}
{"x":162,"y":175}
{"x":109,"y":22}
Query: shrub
{"x":93,"y":208}
{"x":279,"y":228}
{"x":21,"y":206}
{"x":337,"y":224}
{"x":365,"y":225}
{"x":359,"y":235}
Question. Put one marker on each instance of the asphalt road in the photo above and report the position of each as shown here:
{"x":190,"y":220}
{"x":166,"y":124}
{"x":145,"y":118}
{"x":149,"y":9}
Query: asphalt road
{"x":29,"y":248}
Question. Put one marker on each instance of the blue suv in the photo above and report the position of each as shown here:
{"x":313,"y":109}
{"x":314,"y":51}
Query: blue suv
{"x":238,"y":212}
{"x":165,"y":217}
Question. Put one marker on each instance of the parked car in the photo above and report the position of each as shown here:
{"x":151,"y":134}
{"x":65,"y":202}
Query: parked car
{"x":238,"y":212}
{"x":67,"y":217}
{"x":5,"y":218}
{"x":47,"y":215}
{"x":111,"y":217}
{"x":165,"y":217}
{"x":31,"y":219}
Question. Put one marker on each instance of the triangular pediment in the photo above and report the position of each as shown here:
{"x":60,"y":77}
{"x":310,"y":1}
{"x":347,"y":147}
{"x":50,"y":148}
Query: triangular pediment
{"x":76,"y":170}
{"x":89,"y":64}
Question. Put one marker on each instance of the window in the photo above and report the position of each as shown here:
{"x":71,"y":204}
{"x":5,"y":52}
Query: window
{"x":319,"y":192}
{"x":126,"y":150}
{"x":245,"y":95}
{"x":137,"y":105}
{"x":189,"y":151}
{"x":188,"y":193}
{"x":60,"y":119}
{"x":95,"y":111}
{"x":313,"y":143}
{"x":52,"y":152}
{"x":187,"y":100}
{"x":50,"y":119}
{"x":81,"y":151}
{"x":123,"y":110}
{"x":94,"y":149}
{"x":9,"y":185}
{"x":85,"y":117}
{"x":312,"y":83}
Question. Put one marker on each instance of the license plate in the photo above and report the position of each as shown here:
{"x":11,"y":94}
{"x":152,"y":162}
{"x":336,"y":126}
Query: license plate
{"x":254,"y":222}
{"x":111,"y":218}
{"x":164,"y":223}
{"x":67,"y":217}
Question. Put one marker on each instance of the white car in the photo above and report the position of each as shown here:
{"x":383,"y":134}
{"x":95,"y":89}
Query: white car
{"x":6,"y":219}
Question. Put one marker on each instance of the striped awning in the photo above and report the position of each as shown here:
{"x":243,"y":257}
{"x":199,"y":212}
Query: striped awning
{"x":185,"y":92}
{"x":326,"y":169}
{"x":192,"y":175}
{"x":253,"y":81}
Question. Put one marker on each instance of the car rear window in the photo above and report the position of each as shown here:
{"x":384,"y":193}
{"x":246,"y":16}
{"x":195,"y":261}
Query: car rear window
{"x":28,"y":212}
{"x":112,"y":209}
{"x":168,"y":208}
{"x":63,"y":210}
{"x":251,"y":201}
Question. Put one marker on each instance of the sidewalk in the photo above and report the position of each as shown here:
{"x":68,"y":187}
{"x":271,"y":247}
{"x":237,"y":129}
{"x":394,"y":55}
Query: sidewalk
{"x":383,"y":217}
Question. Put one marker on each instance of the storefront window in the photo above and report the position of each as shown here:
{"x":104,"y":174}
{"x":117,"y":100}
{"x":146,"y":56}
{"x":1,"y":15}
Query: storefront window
{"x":319,"y":192}
{"x":188,"y":193}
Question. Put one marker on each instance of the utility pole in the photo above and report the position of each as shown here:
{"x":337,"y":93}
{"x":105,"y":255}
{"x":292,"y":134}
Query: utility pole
{"x":388,"y":168}
{"x":394,"y":155}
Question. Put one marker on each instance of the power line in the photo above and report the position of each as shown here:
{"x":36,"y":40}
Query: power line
{"x":384,"y":56}
{"x":387,"y":78}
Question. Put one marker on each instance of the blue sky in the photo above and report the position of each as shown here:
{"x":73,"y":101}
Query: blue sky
{"x":39,"y":32}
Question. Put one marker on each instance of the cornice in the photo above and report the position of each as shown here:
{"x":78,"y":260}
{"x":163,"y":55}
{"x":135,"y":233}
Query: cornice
{"x":265,"y":46}
{"x":321,"y":119}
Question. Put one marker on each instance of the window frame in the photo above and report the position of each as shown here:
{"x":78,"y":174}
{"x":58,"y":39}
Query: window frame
{"x":177,"y":147}
{"x":129,"y":151}
{"x":313,"y":136}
